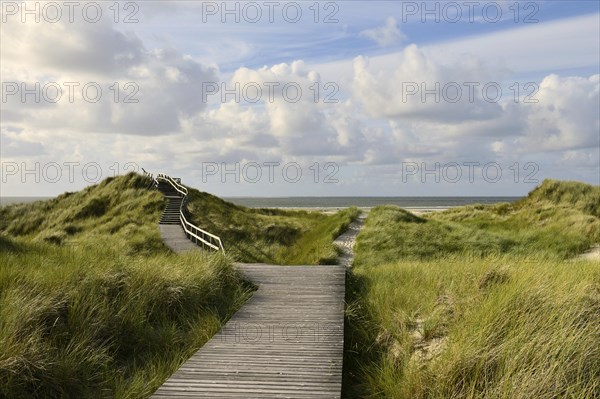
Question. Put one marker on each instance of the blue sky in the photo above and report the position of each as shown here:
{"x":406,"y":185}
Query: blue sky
{"x":370,"y":140}
{"x":280,"y":41}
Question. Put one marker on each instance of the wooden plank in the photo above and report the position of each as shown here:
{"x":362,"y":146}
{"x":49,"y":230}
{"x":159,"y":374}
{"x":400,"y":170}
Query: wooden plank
{"x":286,"y":342}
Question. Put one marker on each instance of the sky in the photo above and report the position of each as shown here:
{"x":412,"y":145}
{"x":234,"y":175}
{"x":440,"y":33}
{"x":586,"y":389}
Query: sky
{"x":305,"y":98}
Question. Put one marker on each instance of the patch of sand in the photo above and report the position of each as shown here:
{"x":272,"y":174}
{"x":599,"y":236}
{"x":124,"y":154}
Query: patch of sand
{"x":426,"y":349}
{"x":592,"y":254}
{"x":424,"y":211}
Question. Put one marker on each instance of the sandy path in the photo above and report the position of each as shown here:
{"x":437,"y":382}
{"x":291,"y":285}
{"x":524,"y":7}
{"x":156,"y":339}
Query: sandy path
{"x":347,"y":240}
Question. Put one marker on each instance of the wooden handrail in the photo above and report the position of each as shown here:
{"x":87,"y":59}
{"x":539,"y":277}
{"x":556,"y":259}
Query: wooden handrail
{"x":190,"y":229}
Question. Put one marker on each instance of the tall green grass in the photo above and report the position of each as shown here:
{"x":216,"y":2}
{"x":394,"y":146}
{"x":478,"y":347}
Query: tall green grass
{"x":270,"y":235}
{"x":558,"y":219}
{"x":477,"y":302}
{"x":90,"y":321}
{"x":121,"y":207}
{"x":316,"y":245}
{"x":92,"y":304}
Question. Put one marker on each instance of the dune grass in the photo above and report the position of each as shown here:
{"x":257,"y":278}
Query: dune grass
{"x":315,"y":246}
{"x":477,"y":302}
{"x":121,"y":207}
{"x":277,"y":236}
{"x":92,"y":304}
{"x":89,"y":321}
{"x":558,"y":219}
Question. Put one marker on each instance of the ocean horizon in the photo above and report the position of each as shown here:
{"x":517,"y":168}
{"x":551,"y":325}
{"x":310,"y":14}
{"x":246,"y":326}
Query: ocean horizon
{"x":331,"y":202}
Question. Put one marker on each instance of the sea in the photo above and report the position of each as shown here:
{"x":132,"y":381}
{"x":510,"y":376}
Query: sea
{"x":332,"y":202}
{"x":364,"y":202}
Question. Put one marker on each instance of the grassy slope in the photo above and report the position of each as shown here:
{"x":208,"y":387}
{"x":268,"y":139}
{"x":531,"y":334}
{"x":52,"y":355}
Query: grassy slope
{"x":559,"y":219}
{"x":478,"y":302}
{"x":119,"y":207}
{"x":270,"y":235}
{"x":123,"y":208}
{"x":91,"y":302}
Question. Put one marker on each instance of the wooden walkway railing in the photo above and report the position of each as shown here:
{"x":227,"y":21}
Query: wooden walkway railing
{"x":193,"y":233}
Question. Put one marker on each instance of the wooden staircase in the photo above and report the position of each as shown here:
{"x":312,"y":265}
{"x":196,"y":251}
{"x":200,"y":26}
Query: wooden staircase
{"x":171,"y":213}
{"x":176,"y":231}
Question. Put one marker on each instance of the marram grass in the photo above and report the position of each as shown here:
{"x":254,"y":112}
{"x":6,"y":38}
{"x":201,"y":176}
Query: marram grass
{"x":477,"y":302}
{"x":92,"y":322}
{"x":94,"y":305}
{"x":291,"y":237}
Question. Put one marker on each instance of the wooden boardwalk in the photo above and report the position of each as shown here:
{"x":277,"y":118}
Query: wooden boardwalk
{"x":286,"y":342}
{"x":174,"y":237}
